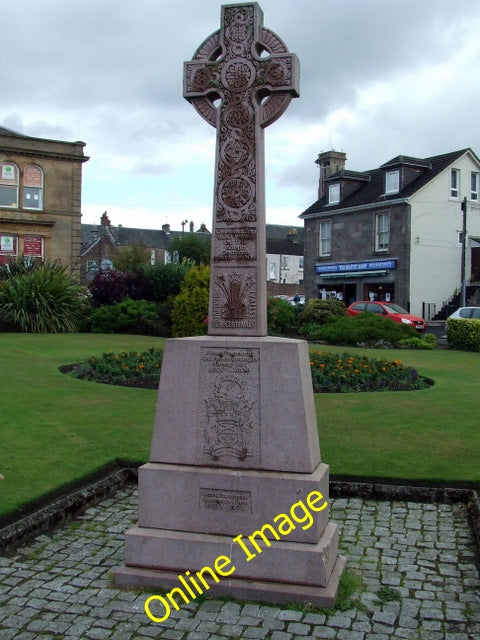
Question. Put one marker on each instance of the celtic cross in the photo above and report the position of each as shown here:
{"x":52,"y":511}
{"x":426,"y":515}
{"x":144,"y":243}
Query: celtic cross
{"x":240,"y":80}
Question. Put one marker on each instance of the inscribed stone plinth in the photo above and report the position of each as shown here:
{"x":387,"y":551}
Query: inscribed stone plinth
{"x":235,"y":440}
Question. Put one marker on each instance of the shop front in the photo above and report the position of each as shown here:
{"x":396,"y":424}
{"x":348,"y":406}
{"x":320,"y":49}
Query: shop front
{"x":351,"y":281}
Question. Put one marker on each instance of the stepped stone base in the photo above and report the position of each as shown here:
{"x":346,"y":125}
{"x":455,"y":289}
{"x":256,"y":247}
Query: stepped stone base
{"x":234,"y":455}
{"x":219,"y":501}
{"x":281,"y":561}
{"x":241,"y":588}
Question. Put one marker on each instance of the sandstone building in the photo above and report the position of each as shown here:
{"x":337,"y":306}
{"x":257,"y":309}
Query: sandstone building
{"x":40,"y":198}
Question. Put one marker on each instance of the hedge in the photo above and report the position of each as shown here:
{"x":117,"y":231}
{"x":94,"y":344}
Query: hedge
{"x":463,"y":334}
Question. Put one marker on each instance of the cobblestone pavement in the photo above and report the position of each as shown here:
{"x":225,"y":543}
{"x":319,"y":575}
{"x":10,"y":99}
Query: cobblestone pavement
{"x":415,"y":563}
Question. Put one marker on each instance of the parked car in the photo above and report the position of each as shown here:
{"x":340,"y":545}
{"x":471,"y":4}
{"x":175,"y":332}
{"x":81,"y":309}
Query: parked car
{"x":389,"y":310}
{"x":466,"y":313}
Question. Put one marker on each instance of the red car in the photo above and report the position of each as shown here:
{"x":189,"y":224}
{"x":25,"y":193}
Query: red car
{"x":388,"y":310}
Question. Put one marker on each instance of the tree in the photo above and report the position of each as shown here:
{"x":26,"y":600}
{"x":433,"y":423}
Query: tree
{"x":192,"y":246}
{"x":131,"y":257}
{"x":166,"y":279}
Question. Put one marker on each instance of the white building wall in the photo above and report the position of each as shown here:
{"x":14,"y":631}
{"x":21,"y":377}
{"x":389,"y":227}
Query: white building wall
{"x":284,"y":268}
{"x":436,"y":220}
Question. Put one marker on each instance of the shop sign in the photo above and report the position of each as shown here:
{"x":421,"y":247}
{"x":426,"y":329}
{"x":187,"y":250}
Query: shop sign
{"x":342,"y":267}
{"x":33,"y":246}
{"x":8,"y":245}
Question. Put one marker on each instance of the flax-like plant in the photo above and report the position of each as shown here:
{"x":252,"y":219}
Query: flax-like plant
{"x":44,"y":299}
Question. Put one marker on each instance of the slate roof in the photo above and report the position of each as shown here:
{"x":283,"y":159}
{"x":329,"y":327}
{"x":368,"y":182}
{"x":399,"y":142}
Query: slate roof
{"x":278,"y":239}
{"x":4,"y":131}
{"x":372,"y":190}
{"x":122,"y":236}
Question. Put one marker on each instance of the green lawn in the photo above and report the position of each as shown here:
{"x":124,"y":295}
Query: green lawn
{"x":55,"y":429}
{"x":433,"y":434}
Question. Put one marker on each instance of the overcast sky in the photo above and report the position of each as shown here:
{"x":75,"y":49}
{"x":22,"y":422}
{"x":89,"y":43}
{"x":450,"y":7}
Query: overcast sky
{"x":379,"y":78}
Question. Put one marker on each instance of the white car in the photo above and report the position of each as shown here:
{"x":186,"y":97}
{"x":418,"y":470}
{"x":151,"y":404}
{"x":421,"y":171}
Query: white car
{"x":466,"y":313}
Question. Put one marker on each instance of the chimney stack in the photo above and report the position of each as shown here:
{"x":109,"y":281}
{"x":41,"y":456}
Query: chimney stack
{"x":329,"y":162}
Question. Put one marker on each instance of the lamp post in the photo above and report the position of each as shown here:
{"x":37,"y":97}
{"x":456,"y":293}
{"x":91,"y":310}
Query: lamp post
{"x":464,"y":244}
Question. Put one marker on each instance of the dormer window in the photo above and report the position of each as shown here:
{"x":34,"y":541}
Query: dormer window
{"x":392,"y":182}
{"x":334,"y":193}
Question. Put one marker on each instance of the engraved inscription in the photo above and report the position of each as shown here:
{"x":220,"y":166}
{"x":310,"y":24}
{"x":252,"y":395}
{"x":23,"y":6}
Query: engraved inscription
{"x":229,"y":407}
{"x":235,"y":244}
{"x":226,"y":500}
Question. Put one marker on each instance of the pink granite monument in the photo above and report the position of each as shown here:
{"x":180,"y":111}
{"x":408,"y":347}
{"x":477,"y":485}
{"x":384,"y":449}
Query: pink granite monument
{"x":235,"y":439}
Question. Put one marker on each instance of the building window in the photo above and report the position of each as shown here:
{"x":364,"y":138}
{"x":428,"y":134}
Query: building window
{"x":8,"y":185}
{"x":333,"y":194}
{"x":32,"y":182}
{"x":324,"y":244}
{"x":382,"y":231}
{"x":459,"y":238}
{"x":392,"y":182}
{"x":455,"y":183}
{"x":474,"y":185}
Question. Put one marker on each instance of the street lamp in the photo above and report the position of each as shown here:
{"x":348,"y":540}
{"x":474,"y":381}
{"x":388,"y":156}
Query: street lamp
{"x":464,"y":244}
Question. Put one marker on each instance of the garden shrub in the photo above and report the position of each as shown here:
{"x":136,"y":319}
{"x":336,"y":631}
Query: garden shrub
{"x":427,"y":341}
{"x":166,"y":279}
{"x":321,"y":311}
{"x":281,"y":316}
{"x":190,"y":307}
{"x":362,"y":329}
{"x":42,"y":298}
{"x":463,"y":334}
{"x":129,"y":316}
{"x":110,"y":287}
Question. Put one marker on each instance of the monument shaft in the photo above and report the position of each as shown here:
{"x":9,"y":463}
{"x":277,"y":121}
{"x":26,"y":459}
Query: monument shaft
{"x":235,"y":440}
{"x":252,"y":92}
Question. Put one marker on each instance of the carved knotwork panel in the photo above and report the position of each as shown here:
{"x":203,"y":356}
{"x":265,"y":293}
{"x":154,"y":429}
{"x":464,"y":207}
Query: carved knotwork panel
{"x":229,"y":405}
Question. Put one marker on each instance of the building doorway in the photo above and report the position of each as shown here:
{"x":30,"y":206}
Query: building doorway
{"x":384,"y":292}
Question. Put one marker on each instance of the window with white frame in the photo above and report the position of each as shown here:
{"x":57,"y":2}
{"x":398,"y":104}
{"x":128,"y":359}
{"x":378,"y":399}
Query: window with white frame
{"x":324,"y":243}
{"x":474,"y":185}
{"x":8,"y":184}
{"x":382,"y":231}
{"x":392,"y":182}
{"x":32,"y":182}
{"x":455,"y":183}
{"x":333,"y":193}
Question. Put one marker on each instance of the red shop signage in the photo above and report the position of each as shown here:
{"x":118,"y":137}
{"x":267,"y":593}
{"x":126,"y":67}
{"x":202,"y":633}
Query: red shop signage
{"x":33,"y":246}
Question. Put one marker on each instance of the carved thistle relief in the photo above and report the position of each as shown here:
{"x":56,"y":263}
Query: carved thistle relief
{"x":229,"y":405}
{"x":234,"y":299}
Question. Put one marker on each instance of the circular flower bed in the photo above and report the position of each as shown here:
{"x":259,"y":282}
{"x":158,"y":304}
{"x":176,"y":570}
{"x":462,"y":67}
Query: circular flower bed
{"x":127,"y":369}
{"x":331,"y":373}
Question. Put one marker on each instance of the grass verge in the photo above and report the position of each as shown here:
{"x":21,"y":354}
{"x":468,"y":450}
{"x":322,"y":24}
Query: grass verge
{"x":55,"y":429}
